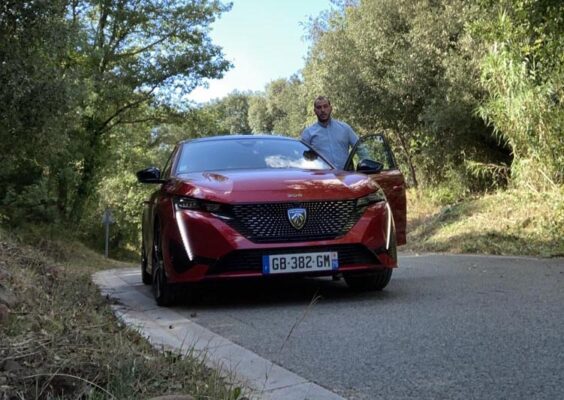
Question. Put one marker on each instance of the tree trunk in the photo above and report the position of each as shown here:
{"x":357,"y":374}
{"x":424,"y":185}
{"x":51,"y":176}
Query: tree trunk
{"x":91,"y":162}
{"x":407,"y":157}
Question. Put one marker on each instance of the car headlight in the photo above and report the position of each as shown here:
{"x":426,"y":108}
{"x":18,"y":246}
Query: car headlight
{"x":376,"y":197}
{"x":189,"y":203}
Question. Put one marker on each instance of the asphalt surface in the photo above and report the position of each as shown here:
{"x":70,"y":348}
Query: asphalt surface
{"x":446,"y":327}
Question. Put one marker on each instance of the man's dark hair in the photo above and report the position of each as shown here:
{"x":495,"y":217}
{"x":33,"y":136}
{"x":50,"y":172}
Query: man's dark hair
{"x":320,"y":98}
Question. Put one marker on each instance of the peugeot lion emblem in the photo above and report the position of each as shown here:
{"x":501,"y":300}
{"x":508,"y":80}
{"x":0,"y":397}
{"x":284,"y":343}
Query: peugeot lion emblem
{"x":297,"y":217}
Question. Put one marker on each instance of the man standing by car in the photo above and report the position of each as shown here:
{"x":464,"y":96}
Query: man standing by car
{"x":330,"y":137}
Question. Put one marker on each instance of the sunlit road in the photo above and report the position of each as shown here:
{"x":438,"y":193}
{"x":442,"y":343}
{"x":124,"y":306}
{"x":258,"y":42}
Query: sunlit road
{"x":446,"y":327}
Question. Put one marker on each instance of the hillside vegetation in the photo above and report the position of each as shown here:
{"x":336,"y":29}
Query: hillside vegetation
{"x":59,"y":338}
{"x":504,"y":223}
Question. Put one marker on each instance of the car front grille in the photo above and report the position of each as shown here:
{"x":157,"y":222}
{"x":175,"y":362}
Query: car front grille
{"x":251,"y":260}
{"x":269,"y":222}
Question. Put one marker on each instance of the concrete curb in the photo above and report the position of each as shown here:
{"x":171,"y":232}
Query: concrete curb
{"x":166,"y":329}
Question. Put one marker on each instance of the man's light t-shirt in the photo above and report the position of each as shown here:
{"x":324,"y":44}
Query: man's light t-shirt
{"x":332,"y":142}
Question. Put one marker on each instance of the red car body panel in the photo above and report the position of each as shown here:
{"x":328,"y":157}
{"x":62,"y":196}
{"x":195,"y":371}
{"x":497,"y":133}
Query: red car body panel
{"x":393,"y":184}
{"x":270,"y":185}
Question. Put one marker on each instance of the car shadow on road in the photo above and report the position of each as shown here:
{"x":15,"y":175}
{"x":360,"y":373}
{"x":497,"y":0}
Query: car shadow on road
{"x":257,"y":294}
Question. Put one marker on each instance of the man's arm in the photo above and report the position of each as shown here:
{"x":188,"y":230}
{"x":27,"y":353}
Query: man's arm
{"x":306,"y":136}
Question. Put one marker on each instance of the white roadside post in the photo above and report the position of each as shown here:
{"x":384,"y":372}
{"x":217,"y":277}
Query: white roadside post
{"x":107,"y":219}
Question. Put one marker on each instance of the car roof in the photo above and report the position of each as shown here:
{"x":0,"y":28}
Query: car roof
{"x":238,"y":137}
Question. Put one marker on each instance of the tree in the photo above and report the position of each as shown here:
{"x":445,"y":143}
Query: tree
{"x":38,"y":92}
{"x":137,"y":52}
{"x":232,"y":113}
{"x":523,"y":74}
{"x":281,"y":109}
{"x":287,"y":106}
{"x":75,"y":71}
{"x":260,"y":120}
{"x":131,"y":148}
{"x":405,"y":68}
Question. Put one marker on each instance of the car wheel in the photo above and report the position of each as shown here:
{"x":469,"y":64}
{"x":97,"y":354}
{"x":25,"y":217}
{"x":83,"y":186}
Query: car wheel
{"x":377,"y":280}
{"x":162,"y":291}
{"x":145,"y":276}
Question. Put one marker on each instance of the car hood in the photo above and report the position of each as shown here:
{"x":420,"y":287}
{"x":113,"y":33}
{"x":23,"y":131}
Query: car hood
{"x":272,"y":185}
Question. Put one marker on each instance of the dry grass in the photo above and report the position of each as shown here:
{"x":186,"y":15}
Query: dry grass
{"x":61,"y":340}
{"x":509,"y":222}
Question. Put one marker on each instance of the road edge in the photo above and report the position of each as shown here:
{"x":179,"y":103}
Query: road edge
{"x":168,"y":330}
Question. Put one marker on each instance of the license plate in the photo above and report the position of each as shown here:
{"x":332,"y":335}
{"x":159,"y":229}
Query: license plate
{"x":300,"y":262}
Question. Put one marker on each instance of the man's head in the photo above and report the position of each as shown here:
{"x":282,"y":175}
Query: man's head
{"x":322,"y":108}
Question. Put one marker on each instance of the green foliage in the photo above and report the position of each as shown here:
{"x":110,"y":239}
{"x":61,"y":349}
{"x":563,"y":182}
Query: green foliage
{"x":495,"y":174}
{"x":282,"y":109}
{"x":469,"y":93}
{"x":260,"y":120}
{"x":33,"y":203}
{"x":287,"y":106}
{"x":74,"y":72}
{"x":231,"y":113}
{"x":38,"y":91}
{"x":129,"y":149}
{"x":404,"y":67}
{"x":523,"y":74}
{"x":452,"y":190}
{"x":134,"y":54}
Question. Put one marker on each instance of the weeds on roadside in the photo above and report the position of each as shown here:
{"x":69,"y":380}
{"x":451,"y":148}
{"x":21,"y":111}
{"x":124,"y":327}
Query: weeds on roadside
{"x":62,"y":341}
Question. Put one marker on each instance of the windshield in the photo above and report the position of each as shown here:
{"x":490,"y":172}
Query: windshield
{"x":247,"y":153}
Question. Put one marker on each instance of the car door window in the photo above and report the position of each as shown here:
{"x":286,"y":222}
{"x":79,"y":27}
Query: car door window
{"x":372,"y":147}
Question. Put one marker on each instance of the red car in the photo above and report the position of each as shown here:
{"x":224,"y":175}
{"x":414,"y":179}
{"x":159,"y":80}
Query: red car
{"x":242,"y":206}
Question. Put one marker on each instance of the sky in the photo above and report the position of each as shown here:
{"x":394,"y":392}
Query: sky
{"x":264,"y":40}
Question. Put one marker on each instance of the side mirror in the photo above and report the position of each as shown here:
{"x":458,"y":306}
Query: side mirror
{"x":310,"y":155}
{"x":369,"y":166}
{"x":149,"y":175}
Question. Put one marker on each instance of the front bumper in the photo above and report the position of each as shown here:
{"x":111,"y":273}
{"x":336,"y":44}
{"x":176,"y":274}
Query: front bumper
{"x":198,"y":246}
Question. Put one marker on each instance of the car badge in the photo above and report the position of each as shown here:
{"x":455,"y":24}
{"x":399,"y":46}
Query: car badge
{"x":297,"y":217}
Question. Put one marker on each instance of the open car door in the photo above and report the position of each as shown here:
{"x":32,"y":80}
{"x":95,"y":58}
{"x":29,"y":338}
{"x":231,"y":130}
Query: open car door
{"x":385,"y":172}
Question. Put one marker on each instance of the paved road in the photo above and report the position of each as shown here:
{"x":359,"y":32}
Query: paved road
{"x":446,"y":327}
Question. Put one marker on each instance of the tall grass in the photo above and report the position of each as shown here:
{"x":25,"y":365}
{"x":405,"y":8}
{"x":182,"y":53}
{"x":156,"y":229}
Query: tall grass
{"x":525,"y":103}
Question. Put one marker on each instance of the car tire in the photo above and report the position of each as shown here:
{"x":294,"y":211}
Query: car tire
{"x":162,"y":291}
{"x":145,"y":276}
{"x":377,"y":280}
